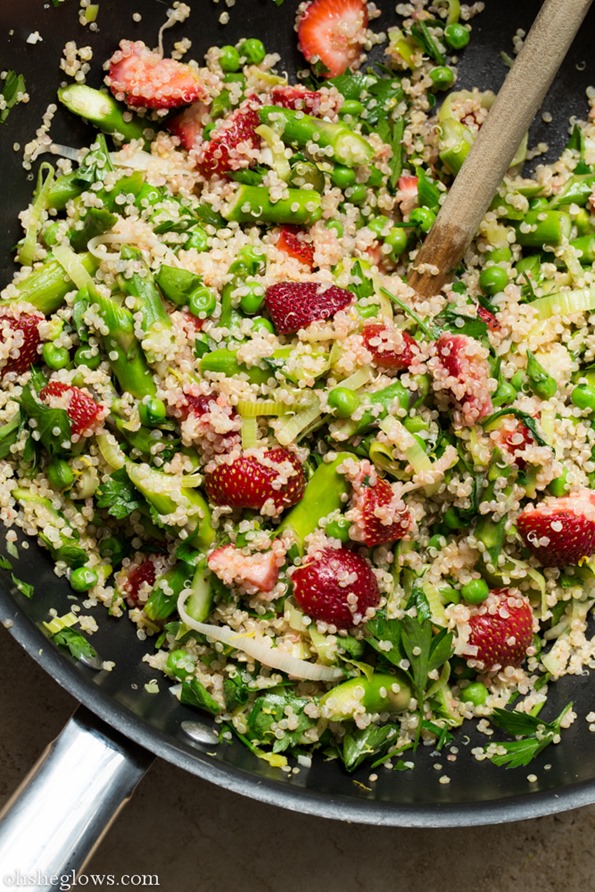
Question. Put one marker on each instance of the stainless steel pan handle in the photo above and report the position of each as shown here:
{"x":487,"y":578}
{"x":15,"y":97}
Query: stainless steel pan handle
{"x":60,"y":813}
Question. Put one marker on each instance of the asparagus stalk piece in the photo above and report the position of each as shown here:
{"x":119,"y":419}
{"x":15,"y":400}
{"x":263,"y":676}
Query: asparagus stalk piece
{"x":164,"y":597}
{"x":348,"y":147}
{"x":95,"y":222}
{"x":378,"y":693}
{"x":102,"y":110}
{"x":47,"y":286}
{"x":380,"y":403}
{"x":63,"y":545}
{"x":324,"y":494}
{"x":252,"y":204}
{"x":543,"y":227}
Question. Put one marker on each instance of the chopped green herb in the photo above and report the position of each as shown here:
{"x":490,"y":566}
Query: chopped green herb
{"x":14,"y":86}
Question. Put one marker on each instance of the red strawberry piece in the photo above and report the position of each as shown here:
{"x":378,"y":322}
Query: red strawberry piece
{"x":231,"y":143}
{"x":489,"y":318}
{"x":382,"y":516}
{"x":144,"y":79}
{"x":84,"y":412}
{"x":291,"y":240}
{"x":249,"y":482}
{"x":333,"y":32}
{"x":390,"y":347}
{"x":294,"y":305}
{"x":197,"y":405}
{"x":516,"y":441}
{"x":188,"y":125}
{"x":407,"y":195}
{"x":501,"y":630}
{"x":255,"y":572}
{"x":142,"y":574}
{"x":560,"y":531}
{"x":300,"y":99}
{"x":336,"y":586}
{"x":462,"y":369}
{"x":24,"y":330}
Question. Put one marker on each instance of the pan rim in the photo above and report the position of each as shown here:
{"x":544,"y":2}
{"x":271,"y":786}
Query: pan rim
{"x":269,"y":792}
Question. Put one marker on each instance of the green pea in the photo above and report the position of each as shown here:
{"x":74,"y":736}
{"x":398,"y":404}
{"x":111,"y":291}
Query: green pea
{"x":475,"y":693}
{"x":500,"y":255}
{"x":378,"y":224}
{"x":148,"y":196}
{"x":357,"y":194}
{"x":88,"y":357}
{"x":198,"y":238}
{"x":306,"y":173}
{"x":475,"y":591}
{"x":540,"y":382}
{"x":438,"y":542}
{"x":112,"y":549}
{"x":342,"y":177}
{"x":423,"y":218}
{"x":559,"y":486}
{"x":344,"y":401}
{"x":339,"y":529}
{"x":456,"y":36}
{"x":60,"y":474}
{"x":505,"y":394}
{"x":539,"y":204}
{"x":452,"y":520}
{"x":55,"y":357}
{"x":234,"y":78}
{"x":252,"y":301}
{"x":229,"y":58}
{"x":396,"y":239}
{"x":582,"y":221}
{"x":253,"y":50}
{"x":83,"y":578}
{"x":415,"y":423}
{"x":202,"y":302}
{"x":180,"y":664}
{"x":259,"y":323}
{"x":351,"y":107}
{"x":337,"y":226}
{"x":492,"y":280}
{"x":442,"y":77}
{"x":50,"y":236}
{"x":583,"y":396}
{"x":152,"y":411}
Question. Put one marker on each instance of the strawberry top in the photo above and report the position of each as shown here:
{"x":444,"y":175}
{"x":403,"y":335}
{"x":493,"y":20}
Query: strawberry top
{"x":560,"y":531}
{"x":275,"y":477}
{"x":295,"y":305}
{"x":143,"y":78}
{"x":333,"y":32}
{"x":336,"y":586}
{"x":501,"y":630}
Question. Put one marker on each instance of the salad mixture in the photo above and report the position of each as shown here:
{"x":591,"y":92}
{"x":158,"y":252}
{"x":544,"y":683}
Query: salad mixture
{"x":349,"y":518}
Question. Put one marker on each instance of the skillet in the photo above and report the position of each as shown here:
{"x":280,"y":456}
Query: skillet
{"x":110,"y":742}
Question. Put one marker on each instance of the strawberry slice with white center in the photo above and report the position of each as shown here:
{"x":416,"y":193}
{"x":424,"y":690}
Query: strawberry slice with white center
{"x":378,"y":514}
{"x":560,"y":531}
{"x":295,"y":305}
{"x":333,"y":32}
{"x":232,"y":142}
{"x":460,"y":367}
{"x":21,"y":335}
{"x":336,"y":586}
{"x":390,"y":347}
{"x":85,"y":413}
{"x":501,"y":630}
{"x":143,"y":79}
{"x":407,"y":195}
{"x":276,"y":477}
{"x":189,"y":125}
{"x":301,"y":99}
{"x":293,"y":242}
{"x":254,"y":573}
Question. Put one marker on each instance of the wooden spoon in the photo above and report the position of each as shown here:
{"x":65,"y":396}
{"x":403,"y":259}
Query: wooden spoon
{"x":490,"y":157}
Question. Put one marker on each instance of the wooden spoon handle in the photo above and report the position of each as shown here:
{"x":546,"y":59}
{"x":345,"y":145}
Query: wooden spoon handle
{"x":484,"y":168}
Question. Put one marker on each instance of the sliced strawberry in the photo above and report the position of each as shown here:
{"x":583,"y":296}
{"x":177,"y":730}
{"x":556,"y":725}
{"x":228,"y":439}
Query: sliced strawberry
{"x":407,"y":195}
{"x":142,"y":78}
{"x":501,"y":630}
{"x":143,"y":574}
{"x":390,"y":347}
{"x":188,"y":125}
{"x":294,"y":305}
{"x":250,"y":482}
{"x":488,"y":317}
{"x":333,"y":32}
{"x":560,"y":531}
{"x":291,"y":240}
{"x":85,"y":414}
{"x":197,"y":405}
{"x":23,"y":333}
{"x":301,"y":99}
{"x":336,"y":586}
{"x":460,"y":367}
{"x":254,"y":572}
{"x":381,"y":516}
{"x":232,"y":142}
{"x":516,"y":441}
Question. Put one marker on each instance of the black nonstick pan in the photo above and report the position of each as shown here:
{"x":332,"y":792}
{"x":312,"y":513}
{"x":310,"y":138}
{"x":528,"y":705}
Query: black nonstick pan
{"x":106,"y":747}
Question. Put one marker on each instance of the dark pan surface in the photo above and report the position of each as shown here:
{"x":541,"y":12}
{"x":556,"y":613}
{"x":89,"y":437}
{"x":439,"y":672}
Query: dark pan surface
{"x":478,"y":792}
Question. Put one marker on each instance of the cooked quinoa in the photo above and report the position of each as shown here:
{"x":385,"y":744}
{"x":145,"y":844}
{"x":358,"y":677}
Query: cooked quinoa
{"x":228,"y":416}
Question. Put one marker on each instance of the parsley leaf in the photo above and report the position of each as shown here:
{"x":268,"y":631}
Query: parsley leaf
{"x":272,"y":709}
{"x":5,"y":563}
{"x":195,"y":694}
{"x":362,"y":743}
{"x":380,"y":631}
{"x":53,"y":425}
{"x":527,"y":420}
{"x":534,"y":736}
{"x":118,"y":495}
{"x":235,"y":692}
{"x":9,"y":433}
{"x":14,"y":86}
{"x":76,"y":643}
{"x":460,"y":323}
{"x":25,"y":588}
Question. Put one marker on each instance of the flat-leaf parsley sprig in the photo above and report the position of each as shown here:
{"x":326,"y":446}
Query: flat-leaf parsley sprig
{"x":532,"y":736}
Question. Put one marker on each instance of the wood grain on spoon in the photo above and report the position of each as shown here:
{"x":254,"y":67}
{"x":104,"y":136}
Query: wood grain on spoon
{"x":490,"y":157}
